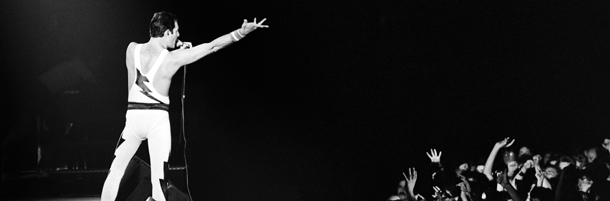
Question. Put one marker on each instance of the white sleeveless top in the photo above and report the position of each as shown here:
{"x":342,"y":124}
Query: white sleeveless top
{"x":143,"y":90}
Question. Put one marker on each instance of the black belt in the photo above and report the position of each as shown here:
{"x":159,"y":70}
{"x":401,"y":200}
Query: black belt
{"x":147,"y":106}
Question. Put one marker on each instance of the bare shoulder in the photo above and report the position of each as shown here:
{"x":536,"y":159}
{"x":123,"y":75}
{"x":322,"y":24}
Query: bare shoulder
{"x":129,"y":53}
{"x":131,"y":47}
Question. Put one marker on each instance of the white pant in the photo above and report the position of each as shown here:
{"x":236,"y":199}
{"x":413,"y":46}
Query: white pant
{"x":141,"y":125}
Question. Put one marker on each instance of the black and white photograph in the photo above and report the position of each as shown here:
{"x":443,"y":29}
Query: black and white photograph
{"x":297,"y":100}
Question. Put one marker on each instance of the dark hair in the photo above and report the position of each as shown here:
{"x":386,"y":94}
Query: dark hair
{"x":160,"y":22}
{"x":567,"y":159}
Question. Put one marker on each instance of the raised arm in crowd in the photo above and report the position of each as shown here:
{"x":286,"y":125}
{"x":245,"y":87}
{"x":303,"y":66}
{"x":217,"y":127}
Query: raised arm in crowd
{"x":523,"y":176}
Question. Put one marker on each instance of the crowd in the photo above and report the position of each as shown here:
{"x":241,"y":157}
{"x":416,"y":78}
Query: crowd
{"x":513,"y":174}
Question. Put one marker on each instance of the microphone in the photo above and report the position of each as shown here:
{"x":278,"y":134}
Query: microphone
{"x":183,"y":45}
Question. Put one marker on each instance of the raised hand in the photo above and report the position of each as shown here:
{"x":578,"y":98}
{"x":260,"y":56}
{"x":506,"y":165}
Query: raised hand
{"x":411,"y":179}
{"x":492,"y":155}
{"x":536,"y":159}
{"x":434,"y":156}
{"x":505,"y":143}
{"x":248,"y":27}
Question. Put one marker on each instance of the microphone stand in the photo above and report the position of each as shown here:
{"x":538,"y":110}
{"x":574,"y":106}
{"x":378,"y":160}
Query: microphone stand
{"x":182,"y":101}
{"x":182,"y":133}
{"x":182,"y":130}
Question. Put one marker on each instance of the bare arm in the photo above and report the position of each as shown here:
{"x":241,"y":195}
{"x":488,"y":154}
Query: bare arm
{"x":129,"y":63}
{"x":528,"y":165}
{"x":411,"y":180}
{"x":492,"y":156}
{"x":183,"y":57}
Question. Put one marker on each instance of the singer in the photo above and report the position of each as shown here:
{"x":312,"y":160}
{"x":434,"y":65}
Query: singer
{"x":150,"y":68}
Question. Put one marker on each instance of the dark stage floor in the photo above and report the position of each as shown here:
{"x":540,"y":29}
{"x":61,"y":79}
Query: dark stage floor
{"x":54,"y":185}
{"x":82,"y":184}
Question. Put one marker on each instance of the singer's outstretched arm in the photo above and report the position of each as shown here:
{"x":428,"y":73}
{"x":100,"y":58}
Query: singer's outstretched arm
{"x":181,"y":57}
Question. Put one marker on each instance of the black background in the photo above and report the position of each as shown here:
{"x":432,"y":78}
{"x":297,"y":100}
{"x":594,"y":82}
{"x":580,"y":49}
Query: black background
{"x":336,"y":98}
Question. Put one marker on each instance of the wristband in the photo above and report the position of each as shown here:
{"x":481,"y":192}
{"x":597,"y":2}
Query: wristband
{"x":240,"y":34}
{"x":521,"y":173}
{"x":234,"y":37}
{"x":237,"y":35}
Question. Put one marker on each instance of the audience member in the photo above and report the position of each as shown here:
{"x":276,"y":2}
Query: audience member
{"x":523,"y":176}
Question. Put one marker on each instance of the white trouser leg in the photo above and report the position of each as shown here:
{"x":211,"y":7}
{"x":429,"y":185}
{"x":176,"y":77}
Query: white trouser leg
{"x":123,"y":155}
{"x":159,"y":146}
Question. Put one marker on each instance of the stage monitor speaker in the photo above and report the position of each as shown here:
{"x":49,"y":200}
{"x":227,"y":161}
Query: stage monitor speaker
{"x":136,"y":185}
{"x":144,"y":190}
{"x":175,"y":194}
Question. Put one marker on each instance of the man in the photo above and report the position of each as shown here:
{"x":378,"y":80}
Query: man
{"x":150,"y":68}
